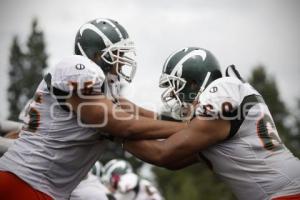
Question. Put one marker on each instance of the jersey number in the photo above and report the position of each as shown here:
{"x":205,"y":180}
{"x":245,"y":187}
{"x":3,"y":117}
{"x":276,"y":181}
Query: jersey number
{"x":267,"y":133}
{"x":34,"y":120}
{"x":34,"y":115}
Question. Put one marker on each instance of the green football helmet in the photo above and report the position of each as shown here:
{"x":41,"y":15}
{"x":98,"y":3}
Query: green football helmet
{"x":113,"y":170}
{"x":111,"y":40}
{"x":186,"y":73}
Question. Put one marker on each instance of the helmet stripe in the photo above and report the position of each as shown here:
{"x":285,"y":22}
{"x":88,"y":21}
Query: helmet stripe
{"x":113,"y":25}
{"x":92,"y":27}
{"x":179,"y":66}
{"x":81,"y":50}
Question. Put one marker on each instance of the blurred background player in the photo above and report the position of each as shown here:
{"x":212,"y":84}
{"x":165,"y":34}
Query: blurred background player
{"x":118,"y":176}
{"x":91,"y":188}
{"x":112,"y":172}
{"x":132,"y":187}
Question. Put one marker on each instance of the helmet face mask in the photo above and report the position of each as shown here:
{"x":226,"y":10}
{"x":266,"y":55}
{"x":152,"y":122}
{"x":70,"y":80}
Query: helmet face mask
{"x":122,"y":56}
{"x":174,"y":86}
{"x":179,"y":95}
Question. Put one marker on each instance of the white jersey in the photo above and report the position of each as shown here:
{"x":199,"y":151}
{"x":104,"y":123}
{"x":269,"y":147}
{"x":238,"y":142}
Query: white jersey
{"x":90,"y":188}
{"x":131,"y":187}
{"x":54,"y":152}
{"x":252,"y":161}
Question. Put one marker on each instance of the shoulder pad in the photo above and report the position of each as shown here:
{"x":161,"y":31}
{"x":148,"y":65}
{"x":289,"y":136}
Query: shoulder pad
{"x":222,"y":96}
{"x":77,"y":73}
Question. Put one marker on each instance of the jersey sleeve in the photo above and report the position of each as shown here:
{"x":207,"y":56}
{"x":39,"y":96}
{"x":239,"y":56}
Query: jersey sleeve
{"x":221,"y":98}
{"x":77,"y":73}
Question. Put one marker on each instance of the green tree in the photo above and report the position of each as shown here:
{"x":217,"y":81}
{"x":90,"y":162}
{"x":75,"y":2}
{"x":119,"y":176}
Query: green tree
{"x":17,"y":59}
{"x":196,"y":182}
{"x":26,"y":69}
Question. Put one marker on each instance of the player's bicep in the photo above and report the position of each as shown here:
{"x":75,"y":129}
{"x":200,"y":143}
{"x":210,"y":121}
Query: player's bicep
{"x":200,"y":134}
{"x":90,"y":111}
{"x":100,"y":113}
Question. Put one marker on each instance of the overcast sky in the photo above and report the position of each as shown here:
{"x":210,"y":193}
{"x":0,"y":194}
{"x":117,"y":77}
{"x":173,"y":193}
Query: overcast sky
{"x":244,"y":33}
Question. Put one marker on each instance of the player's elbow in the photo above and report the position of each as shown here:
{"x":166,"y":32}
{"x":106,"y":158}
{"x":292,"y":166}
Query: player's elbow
{"x":162,"y":160}
{"x":167,"y":161}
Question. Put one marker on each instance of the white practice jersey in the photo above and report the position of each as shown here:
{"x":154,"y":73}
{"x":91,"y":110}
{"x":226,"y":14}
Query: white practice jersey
{"x":252,"y":161}
{"x":90,"y":188}
{"x":54,"y":152}
{"x":131,"y":187}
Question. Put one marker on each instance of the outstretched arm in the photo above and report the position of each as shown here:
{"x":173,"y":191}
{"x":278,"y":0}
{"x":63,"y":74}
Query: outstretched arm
{"x":197,"y":136}
{"x":132,"y":108}
{"x":109,"y":118}
{"x":180,"y":164}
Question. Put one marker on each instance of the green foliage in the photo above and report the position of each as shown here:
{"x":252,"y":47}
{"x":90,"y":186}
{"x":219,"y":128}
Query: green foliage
{"x":26,"y":68}
{"x":194,"y":183}
{"x":267,"y":87}
{"x":17,"y":59}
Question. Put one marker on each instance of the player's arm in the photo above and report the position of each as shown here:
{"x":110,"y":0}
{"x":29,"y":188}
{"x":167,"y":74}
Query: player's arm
{"x":200,"y":134}
{"x":118,"y":123}
{"x":132,"y":108}
{"x":180,"y":164}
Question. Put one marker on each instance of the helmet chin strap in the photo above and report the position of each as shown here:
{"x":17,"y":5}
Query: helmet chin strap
{"x":203,"y":86}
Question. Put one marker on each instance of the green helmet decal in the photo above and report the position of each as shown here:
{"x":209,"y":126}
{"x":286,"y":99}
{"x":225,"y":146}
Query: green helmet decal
{"x":109,"y":39}
{"x":187,"y":72}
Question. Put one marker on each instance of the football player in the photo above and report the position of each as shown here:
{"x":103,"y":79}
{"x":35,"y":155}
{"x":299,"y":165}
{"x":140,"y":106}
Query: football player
{"x":112,"y":171}
{"x":91,"y":188}
{"x":231,"y":128}
{"x":118,"y":176}
{"x":74,"y":107}
{"x":133,"y":187}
